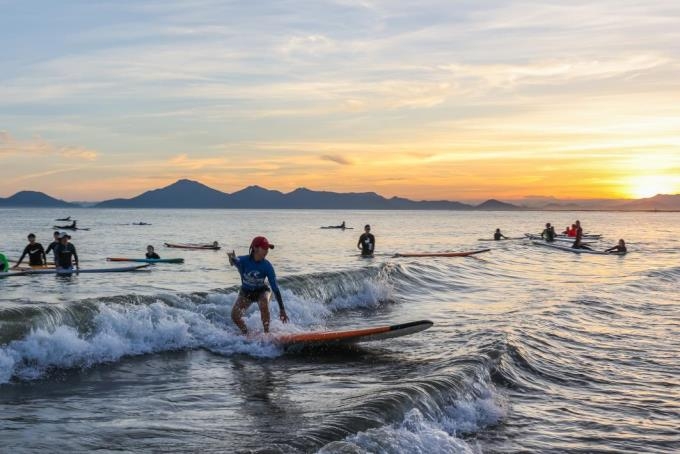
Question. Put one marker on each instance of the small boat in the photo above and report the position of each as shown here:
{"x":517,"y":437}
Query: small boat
{"x":558,"y":239}
{"x":213,"y":247}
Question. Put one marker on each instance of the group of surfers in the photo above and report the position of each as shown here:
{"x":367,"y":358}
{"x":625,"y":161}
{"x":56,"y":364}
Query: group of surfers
{"x":575,"y":232}
{"x":65,"y":254}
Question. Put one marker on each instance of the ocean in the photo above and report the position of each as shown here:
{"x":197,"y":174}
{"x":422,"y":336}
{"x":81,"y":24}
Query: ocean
{"x":532,"y":349}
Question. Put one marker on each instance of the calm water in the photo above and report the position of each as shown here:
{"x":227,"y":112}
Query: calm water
{"x":533,"y":350}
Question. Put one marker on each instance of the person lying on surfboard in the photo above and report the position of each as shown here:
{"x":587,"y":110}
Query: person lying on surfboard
{"x":498,"y":235}
{"x":254,"y":268}
{"x":150,"y":254}
{"x":620,"y":247}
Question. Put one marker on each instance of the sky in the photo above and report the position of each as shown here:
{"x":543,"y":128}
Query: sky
{"x":429,"y":99}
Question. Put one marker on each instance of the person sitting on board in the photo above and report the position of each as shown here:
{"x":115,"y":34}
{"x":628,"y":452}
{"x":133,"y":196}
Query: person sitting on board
{"x":150,"y":254}
{"x":35,"y":251}
{"x":548,"y":233}
{"x":52,"y":245}
{"x":620,"y":247}
{"x":254,"y":268}
{"x":578,"y":245}
{"x":342,"y":226}
{"x":572,"y":231}
{"x":215,"y":244}
{"x":65,"y":255}
{"x":4,"y":263}
{"x":497,"y":235}
{"x":366,"y":242}
{"x":567,"y":231}
{"x":578,"y":234}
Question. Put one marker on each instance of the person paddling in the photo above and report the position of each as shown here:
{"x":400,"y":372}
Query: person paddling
{"x":497,"y":235}
{"x":620,"y":247}
{"x":254,"y":268}
{"x":35,"y":252}
{"x":65,"y":255}
{"x":366,"y":242}
{"x":151,"y":254}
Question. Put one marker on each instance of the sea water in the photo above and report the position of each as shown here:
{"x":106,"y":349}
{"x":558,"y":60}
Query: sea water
{"x":532,"y":349}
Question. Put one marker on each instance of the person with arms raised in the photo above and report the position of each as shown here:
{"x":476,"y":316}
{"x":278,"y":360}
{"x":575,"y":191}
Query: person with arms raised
{"x":254,"y":268}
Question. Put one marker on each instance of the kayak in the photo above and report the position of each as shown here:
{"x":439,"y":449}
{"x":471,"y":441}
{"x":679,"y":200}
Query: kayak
{"x":337,"y":227}
{"x":193,"y":246}
{"x":122,"y":259}
{"x":440,"y":254}
{"x":569,"y":240}
{"x":574,"y":250}
{"x":74,"y":271}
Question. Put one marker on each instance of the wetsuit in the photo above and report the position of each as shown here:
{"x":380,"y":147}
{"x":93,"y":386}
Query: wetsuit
{"x":367,"y":243}
{"x":52,"y":245}
{"x":4,"y":264}
{"x":36,"y":254}
{"x":549,"y":234}
{"x":152,"y":255}
{"x":64,"y":255}
{"x":253,"y":275}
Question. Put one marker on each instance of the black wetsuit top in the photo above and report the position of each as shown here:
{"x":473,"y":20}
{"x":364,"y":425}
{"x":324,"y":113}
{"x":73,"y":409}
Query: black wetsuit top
{"x":52,"y":245}
{"x":152,"y":255}
{"x":36,"y":254}
{"x":367,"y":243}
{"x":548,"y":234}
{"x":497,"y":236}
{"x":63,"y":255}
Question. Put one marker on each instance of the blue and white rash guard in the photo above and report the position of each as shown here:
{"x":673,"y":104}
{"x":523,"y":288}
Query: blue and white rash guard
{"x":254,"y":273}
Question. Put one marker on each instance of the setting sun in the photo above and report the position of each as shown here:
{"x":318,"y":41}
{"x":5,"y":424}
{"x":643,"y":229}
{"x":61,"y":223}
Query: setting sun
{"x":650,"y":185}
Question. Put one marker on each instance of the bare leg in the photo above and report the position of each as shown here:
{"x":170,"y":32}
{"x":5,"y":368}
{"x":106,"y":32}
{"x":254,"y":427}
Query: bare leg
{"x":264,"y":310}
{"x":237,"y":311}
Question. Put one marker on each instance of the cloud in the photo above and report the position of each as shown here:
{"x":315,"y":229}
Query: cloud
{"x":12,"y":146}
{"x":337,"y":159}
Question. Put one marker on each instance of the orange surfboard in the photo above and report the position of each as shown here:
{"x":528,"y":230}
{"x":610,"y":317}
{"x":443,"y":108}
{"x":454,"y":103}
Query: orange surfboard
{"x":352,"y":336}
{"x":440,"y":254}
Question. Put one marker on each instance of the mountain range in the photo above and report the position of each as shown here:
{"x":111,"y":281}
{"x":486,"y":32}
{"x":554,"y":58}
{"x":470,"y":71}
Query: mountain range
{"x":192,"y":194}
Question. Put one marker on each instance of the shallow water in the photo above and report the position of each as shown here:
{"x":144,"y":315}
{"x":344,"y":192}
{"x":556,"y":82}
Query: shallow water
{"x":532,"y":349}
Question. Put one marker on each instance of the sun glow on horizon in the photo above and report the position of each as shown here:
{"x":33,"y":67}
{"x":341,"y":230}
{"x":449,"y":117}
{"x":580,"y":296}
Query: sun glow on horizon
{"x":644,"y":186}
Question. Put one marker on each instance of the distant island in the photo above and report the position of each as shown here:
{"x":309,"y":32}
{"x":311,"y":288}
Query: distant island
{"x":192,"y":194}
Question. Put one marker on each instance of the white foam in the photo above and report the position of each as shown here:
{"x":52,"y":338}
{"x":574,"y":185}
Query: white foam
{"x":176,"y":323}
{"x":418,"y":433}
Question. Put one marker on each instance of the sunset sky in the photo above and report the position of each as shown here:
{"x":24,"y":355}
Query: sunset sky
{"x":458,"y":100}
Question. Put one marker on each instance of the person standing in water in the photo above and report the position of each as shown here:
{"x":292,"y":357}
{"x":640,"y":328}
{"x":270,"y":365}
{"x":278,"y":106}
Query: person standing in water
{"x":254,"y":268}
{"x":151,"y":254}
{"x":366,"y":242}
{"x":35,"y":251}
{"x":497,"y":235}
{"x":53,"y":244}
{"x":65,"y":255}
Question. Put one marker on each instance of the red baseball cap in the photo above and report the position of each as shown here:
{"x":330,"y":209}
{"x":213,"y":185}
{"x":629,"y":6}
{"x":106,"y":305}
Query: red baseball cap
{"x":260,"y":241}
